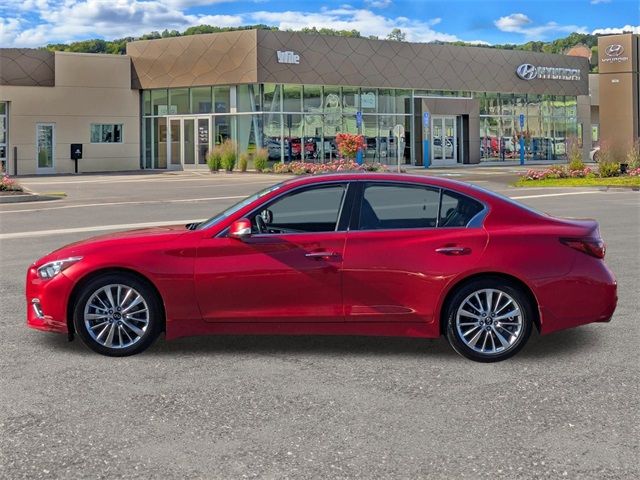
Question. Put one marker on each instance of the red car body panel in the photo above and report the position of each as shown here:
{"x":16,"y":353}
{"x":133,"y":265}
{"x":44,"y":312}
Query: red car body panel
{"x":379,"y":282}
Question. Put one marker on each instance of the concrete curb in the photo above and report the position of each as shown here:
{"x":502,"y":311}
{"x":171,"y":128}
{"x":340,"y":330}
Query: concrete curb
{"x":28,"y":197}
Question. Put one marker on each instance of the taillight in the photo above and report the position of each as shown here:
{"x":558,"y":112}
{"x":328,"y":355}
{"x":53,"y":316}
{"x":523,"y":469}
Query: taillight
{"x":591,"y":246}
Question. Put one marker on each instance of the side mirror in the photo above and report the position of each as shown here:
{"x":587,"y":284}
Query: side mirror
{"x":240,"y":229}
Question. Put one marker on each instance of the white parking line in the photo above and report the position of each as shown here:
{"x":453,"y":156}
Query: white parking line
{"x":110,"y":204}
{"x":522,"y":197}
{"x":98,"y":228}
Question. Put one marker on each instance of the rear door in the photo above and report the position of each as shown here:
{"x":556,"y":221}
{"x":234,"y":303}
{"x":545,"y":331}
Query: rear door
{"x":408,"y":242}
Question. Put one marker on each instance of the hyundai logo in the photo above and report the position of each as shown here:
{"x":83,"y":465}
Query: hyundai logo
{"x":526,"y":71}
{"x":614,"y":50}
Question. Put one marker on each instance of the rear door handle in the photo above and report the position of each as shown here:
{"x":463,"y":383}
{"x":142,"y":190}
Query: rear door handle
{"x":454,"y":250}
{"x":322,"y":255}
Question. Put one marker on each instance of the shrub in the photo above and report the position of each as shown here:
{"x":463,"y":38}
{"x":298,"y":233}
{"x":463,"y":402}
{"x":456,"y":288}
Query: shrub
{"x":574,"y":154}
{"x":608,"y":168}
{"x":260,"y":159}
{"x":633,"y":155}
{"x":243,"y":162}
{"x":228,"y":158}
{"x":214,"y":159}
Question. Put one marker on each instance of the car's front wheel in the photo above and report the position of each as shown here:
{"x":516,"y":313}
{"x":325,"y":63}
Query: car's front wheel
{"x":117,"y":314}
{"x":489,"y":320}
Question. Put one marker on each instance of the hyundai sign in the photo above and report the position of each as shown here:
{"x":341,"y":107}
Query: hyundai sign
{"x":527,"y":71}
{"x":614,"y":53}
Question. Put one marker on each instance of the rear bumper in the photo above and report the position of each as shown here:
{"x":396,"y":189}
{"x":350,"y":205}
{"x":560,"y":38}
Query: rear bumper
{"x":587,"y":294}
{"x":47,"y":302}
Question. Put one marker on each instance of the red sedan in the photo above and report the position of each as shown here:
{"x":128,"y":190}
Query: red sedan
{"x":342,"y":254}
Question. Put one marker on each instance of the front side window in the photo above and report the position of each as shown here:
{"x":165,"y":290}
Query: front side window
{"x":310,"y":210}
{"x":398,"y":206}
{"x":106,"y":133}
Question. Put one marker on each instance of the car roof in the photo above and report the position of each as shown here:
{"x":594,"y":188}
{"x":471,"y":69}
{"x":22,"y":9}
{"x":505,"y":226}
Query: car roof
{"x":383,"y":176}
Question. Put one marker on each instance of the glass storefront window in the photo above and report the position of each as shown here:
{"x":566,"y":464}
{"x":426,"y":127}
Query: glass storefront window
{"x":403,"y":101}
{"x":350,"y":100}
{"x":248,"y":98}
{"x":369,"y":100}
{"x":45,"y":145}
{"x":249,"y":136}
{"x":271,"y":96}
{"x":147,"y":153}
{"x":146,"y":102}
{"x":159,"y":102}
{"x":312,"y":98}
{"x":178,"y":100}
{"x":292,"y":98}
{"x":370,"y":132}
{"x":313,"y":137}
{"x":386,"y":101}
{"x":160,"y":142}
{"x":201,"y":100}
{"x":221,"y":99}
{"x":292,"y":136}
{"x":273,"y":135}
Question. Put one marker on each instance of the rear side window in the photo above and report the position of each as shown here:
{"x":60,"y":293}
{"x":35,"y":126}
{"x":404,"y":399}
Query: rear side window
{"x":398,"y":206}
{"x":457,"y":210}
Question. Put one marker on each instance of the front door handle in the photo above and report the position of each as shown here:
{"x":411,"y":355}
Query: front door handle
{"x":322,"y":255}
{"x":454,"y":250}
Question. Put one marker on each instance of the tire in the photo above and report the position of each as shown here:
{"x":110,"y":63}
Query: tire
{"x":488,"y":335}
{"x":118,"y":314}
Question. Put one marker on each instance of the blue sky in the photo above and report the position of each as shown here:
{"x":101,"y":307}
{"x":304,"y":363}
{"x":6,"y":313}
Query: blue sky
{"x":32,"y":23}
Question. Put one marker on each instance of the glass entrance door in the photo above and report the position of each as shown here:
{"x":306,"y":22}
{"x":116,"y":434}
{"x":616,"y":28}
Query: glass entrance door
{"x":189,"y":142}
{"x":444,"y":139}
{"x":45,"y":147}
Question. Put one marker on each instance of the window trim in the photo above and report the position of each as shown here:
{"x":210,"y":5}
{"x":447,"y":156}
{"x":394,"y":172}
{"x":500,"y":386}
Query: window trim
{"x":106,"y":143}
{"x":476,"y":221}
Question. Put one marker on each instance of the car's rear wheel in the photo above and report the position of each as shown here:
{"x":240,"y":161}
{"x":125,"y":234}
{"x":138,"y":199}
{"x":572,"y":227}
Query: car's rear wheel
{"x":489,"y":319}
{"x":117,"y":314}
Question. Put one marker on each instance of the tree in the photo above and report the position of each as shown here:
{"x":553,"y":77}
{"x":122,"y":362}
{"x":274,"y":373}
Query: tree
{"x":398,"y":35}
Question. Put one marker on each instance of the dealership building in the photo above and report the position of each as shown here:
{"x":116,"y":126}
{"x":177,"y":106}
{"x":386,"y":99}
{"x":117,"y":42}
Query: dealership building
{"x":168,"y":102}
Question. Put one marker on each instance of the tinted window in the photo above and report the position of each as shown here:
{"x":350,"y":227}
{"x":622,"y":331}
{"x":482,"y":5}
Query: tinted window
{"x":398,"y":206}
{"x":311,"y":210}
{"x":457,"y":210}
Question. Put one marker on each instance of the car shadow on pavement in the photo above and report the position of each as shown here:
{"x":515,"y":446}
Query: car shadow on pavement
{"x":558,"y":344}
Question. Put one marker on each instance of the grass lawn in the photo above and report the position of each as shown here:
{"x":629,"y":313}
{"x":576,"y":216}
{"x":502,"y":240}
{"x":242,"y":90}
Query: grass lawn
{"x":581,"y":182}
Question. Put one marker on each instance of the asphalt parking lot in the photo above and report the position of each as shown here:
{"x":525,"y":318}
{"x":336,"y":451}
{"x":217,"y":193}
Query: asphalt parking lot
{"x":308,"y":407}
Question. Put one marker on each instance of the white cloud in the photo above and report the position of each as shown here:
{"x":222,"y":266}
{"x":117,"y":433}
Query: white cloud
{"x":378,"y":3}
{"x":70,"y":20}
{"x":614,"y":30}
{"x":596,"y":2}
{"x":513,"y":23}
{"x":521,"y":23}
{"x":348,"y":18}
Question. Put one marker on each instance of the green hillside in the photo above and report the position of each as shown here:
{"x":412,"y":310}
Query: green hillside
{"x":119,"y":46}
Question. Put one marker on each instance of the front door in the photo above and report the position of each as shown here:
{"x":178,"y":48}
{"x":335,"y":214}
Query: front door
{"x":444,"y":141}
{"x":189,"y":142}
{"x":45,"y":147}
{"x":289,"y":270}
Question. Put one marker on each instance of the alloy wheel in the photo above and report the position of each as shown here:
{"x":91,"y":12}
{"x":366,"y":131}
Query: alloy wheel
{"x":489,"y":321}
{"x":116,"y":316}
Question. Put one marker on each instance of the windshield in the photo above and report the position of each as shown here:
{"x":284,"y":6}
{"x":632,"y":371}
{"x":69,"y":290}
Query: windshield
{"x":233,"y":209}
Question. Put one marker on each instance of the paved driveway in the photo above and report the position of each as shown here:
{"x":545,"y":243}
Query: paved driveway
{"x":308,"y":407}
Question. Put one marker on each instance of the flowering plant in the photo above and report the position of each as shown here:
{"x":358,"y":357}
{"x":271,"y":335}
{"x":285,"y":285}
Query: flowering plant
{"x":349,"y":144}
{"x":301,"y":168}
{"x":634,"y":172}
{"x":8,"y":184}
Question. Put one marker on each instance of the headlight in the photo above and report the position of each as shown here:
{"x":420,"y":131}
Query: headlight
{"x":51,"y":269}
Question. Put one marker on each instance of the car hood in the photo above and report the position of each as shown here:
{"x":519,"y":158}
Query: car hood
{"x":127,"y":238}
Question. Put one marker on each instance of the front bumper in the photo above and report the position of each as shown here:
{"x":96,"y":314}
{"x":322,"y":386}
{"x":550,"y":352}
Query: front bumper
{"x":47,"y":302}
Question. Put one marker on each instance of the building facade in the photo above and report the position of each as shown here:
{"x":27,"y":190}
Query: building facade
{"x":168,"y":102}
